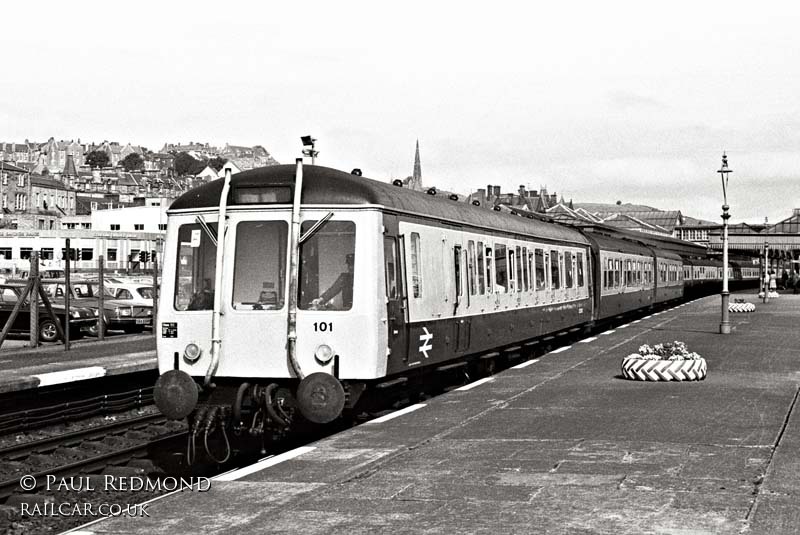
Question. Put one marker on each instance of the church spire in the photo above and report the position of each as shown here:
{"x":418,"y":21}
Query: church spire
{"x":416,"y":178}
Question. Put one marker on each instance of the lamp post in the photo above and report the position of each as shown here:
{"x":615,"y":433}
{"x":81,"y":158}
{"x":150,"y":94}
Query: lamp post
{"x":725,"y":324}
{"x":765,"y":278}
{"x":309,"y":141}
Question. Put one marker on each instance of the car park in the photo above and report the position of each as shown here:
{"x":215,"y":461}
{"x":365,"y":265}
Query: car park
{"x":119,"y":314}
{"x":10,"y":294}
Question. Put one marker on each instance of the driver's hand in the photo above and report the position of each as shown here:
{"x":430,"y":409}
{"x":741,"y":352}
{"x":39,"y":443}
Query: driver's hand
{"x":316,"y":302}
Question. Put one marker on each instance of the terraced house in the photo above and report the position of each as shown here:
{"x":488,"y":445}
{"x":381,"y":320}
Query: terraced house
{"x":31,"y":201}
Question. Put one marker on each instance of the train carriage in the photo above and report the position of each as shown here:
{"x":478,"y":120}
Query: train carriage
{"x":702,"y":276}
{"x":669,"y":285}
{"x":388,"y":280}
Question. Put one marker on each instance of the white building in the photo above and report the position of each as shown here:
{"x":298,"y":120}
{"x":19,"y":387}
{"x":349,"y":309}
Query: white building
{"x":119,"y":234}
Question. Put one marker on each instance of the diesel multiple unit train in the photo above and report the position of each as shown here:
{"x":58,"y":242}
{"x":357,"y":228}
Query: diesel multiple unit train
{"x":292,"y":290}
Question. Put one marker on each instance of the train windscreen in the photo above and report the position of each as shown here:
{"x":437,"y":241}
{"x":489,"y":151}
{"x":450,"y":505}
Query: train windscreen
{"x":194,"y":276}
{"x":327,"y":262}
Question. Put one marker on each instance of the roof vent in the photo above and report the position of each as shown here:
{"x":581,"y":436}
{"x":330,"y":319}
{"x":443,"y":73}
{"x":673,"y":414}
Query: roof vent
{"x":397,"y":182}
{"x":431,"y":191}
{"x":356,"y":172}
{"x":497,"y":208}
{"x":453,"y":197}
{"x":476,"y":203}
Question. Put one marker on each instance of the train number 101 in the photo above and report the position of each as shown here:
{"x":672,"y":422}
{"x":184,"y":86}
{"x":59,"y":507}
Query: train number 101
{"x":323,"y":326}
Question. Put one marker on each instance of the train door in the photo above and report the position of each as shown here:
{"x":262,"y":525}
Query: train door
{"x":461,"y":326}
{"x":395,"y":303}
{"x":396,"y":321}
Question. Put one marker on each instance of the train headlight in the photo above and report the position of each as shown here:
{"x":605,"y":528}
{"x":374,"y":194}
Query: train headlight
{"x":323,"y":353}
{"x":192,"y":352}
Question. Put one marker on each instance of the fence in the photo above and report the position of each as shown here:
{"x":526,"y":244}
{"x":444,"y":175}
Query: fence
{"x":32,"y":296}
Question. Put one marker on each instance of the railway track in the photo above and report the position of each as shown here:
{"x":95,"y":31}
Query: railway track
{"x":84,"y":451}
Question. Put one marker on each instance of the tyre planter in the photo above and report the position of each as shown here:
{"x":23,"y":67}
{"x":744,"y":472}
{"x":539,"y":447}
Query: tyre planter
{"x":641,"y":369}
{"x":741,"y":307}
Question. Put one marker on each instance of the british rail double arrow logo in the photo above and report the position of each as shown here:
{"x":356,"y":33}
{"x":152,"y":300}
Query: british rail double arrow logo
{"x":427,"y":342}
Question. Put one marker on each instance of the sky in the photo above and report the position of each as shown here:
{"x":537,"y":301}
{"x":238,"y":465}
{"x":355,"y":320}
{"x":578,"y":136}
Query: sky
{"x":597,"y":101}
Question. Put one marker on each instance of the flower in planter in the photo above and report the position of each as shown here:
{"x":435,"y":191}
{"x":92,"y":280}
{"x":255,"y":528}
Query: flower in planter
{"x":667,"y":351}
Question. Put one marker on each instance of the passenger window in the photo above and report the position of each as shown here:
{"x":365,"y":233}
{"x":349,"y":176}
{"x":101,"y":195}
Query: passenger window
{"x":471,"y":267}
{"x":481,"y":270}
{"x":416,"y":269}
{"x":580,"y":270}
{"x":555,"y":271}
{"x":531,"y":271}
{"x":617,"y":273}
{"x":197,"y":262}
{"x":500,"y":268}
{"x":457,"y":265}
{"x":541,"y":273}
{"x":260,"y":265}
{"x":568,"y":269}
{"x":327,"y":265}
{"x":520,"y":279}
{"x":489,"y":270}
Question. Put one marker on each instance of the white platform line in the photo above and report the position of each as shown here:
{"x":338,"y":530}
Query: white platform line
{"x":69,"y":376}
{"x":636,"y":321}
{"x":587,"y":340}
{"x":610,"y":331}
{"x":395,"y":414}
{"x":524,"y":364}
{"x":266,"y":463}
{"x":560,"y":349}
{"x":470,"y":386}
{"x":623,"y":326}
{"x":648,"y":317}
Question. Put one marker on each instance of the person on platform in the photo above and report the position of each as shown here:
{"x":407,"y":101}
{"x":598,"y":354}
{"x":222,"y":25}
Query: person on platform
{"x":773,"y":282}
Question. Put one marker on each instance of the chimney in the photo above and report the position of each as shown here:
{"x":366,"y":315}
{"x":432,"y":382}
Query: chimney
{"x":522,"y":190}
{"x":497,"y":191}
{"x":796,"y":211}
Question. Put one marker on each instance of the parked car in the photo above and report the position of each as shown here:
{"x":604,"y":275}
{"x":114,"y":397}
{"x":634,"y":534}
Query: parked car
{"x":119,"y":314}
{"x":10,"y":294}
{"x":134,"y":293}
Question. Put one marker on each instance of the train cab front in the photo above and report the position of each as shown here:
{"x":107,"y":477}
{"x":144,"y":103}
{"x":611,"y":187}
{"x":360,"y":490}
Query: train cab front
{"x":243,"y":376}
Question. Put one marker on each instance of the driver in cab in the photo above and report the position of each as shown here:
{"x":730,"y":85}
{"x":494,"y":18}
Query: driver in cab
{"x":342,"y":285}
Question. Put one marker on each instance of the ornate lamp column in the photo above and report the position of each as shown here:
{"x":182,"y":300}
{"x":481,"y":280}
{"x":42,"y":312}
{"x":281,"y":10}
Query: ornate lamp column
{"x":725,"y":325}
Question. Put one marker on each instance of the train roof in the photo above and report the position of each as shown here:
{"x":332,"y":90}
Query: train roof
{"x":619,"y":245}
{"x":326,"y":186}
{"x":703,"y":262}
{"x":663,"y":243}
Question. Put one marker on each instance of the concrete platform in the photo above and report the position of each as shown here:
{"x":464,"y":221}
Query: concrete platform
{"x":560,"y":445}
{"x":24,"y":369}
